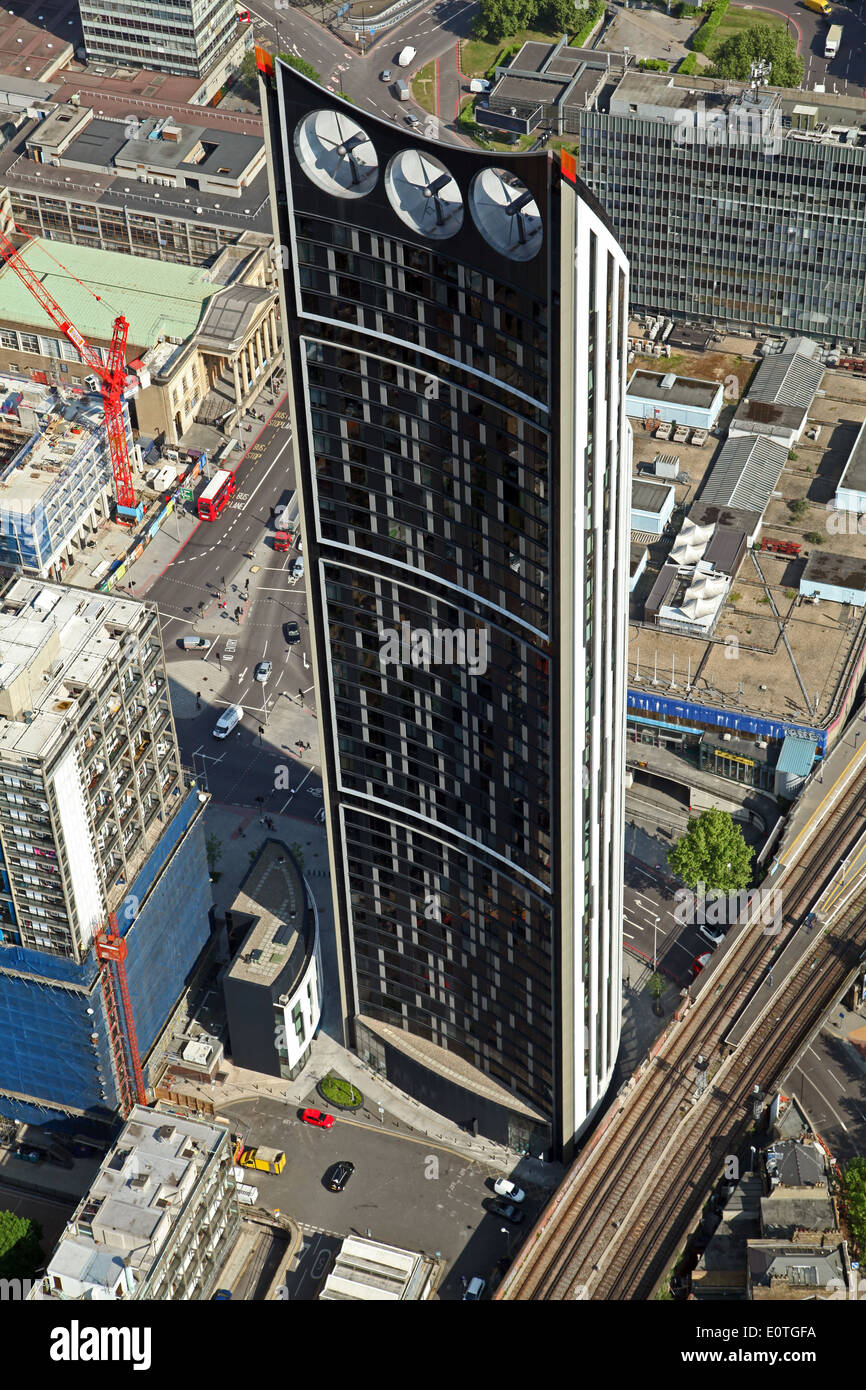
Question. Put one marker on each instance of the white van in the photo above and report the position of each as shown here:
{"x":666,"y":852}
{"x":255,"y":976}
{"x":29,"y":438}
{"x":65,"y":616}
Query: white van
{"x":405,"y":56}
{"x":228,"y":720}
{"x":479,"y":84}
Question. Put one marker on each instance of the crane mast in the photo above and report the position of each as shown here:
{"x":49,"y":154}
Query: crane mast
{"x":112,"y":377}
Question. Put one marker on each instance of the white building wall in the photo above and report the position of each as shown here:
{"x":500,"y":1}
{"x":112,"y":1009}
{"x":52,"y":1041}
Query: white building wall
{"x":599,"y":546}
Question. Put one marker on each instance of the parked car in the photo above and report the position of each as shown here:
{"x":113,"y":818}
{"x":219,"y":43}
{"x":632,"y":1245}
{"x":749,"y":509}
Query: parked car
{"x":263,"y":672}
{"x":319,"y":1118}
{"x":340,"y":1175}
{"x":474,"y":1290}
{"x":228,"y":720}
{"x":293,"y":633}
{"x":711,"y":934}
{"x":700,"y":962}
{"x":195,"y":644}
{"x":479,"y":84}
{"x":296,"y":570}
{"x":503,"y":1187}
{"x":509,"y":1211}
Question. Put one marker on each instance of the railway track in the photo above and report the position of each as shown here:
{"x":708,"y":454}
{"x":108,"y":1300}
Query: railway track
{"x":607,"y":1228}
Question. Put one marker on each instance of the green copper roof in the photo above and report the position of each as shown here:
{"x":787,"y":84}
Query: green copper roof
{"x":158,"y":298}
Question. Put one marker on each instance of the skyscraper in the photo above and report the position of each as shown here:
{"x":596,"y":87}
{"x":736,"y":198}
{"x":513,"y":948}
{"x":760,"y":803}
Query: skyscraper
{"x":456,"y":325}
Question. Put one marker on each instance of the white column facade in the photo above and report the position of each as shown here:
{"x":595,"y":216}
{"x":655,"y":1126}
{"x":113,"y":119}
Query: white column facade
{"x":594,"y":632}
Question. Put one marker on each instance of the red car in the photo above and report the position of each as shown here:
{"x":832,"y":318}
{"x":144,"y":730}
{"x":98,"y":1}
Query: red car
{"x":318,"y":1118}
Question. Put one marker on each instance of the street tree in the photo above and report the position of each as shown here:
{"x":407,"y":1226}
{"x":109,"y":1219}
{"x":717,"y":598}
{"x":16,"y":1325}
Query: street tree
{"x":20,"y":1246}
{"x":500,"y":19}
{"x":760,"y":42}
{"x":712,"y":852}
{"x":855,"y":1201}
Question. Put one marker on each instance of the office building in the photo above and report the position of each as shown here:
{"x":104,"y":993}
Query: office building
{"x":96,"y":817}
{"x":158,"y":1220}
{"x":188,"y":37}
{"x":457,"y":324}
{"x":124,"y":171}
{"x":744,"y":209}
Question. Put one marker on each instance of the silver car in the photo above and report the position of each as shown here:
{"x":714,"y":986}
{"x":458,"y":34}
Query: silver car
{"x":263,"y":672}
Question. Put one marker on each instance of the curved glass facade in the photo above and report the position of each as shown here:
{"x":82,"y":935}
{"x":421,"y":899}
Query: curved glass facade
{"x":461,"y":449}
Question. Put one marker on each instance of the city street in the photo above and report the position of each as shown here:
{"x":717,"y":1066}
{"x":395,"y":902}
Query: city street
{"x":406,"y":1191}
{"x":232,"y":560}
{"x":433,"y":34}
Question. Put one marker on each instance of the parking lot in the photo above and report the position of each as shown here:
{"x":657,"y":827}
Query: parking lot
{"x":405,"y":1191}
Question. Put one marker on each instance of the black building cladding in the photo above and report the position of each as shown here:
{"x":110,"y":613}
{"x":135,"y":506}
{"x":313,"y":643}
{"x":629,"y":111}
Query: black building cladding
{"x":418,"y":299}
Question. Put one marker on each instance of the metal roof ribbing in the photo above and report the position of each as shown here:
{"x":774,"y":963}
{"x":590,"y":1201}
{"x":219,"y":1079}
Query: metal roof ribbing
{"x":787,"y":379}
{"x":796,"y":757}
{"x":158,"y":298}
{"x":745,"y":473}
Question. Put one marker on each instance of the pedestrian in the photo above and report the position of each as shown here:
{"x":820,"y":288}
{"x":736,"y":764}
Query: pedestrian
{"x":301,"y":695}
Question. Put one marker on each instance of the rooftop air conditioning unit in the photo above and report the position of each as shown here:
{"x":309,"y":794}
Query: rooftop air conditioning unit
{"x":726,"y":738}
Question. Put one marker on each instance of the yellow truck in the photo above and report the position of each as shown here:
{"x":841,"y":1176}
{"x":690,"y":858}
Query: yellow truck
{"x":265,"y":1160}
{"x":820,"y":6}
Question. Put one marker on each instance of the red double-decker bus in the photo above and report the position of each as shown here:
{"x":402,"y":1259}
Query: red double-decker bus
{"x":220,"y":489}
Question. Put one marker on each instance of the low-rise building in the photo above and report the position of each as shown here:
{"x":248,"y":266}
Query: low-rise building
{"x":83,"y":169}
{"x":834,"y":578}
{"x":851,"y":490}
{"x":366,"y":1271}
{"x":158,"y":1219}
{"x":203,"y":342}
{"x":273,"y":988}
{"x":652,"y":506}
{"x":779,"y":1271}
{"x":743,"y":477}
{"x":781,"y":394}
{"x":680,"y":400}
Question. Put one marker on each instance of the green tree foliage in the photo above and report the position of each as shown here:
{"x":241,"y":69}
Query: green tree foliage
{"x":302,"y":66}
{"x":499,"y":19}
{"x":855,"y":1200}
{"x":759,"y":41}
{"x":712,"y":852}
{"x":20,"y":1246}
{"x":558,"y":14}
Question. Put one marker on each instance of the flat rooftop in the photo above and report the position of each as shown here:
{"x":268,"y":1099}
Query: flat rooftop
{"x":101,"y":284}
{"x":669,"y":389}
{"x":226,"y":153}
{"x":854,"y":474}
{"x":843,"y":571}
{"x":35,"y":51}
{"x":649,"y":497}
{"x":138,"y":1195}
{"x":279,"y":943}
{"x":120,"y":190}
{"x":843,"y":117}
{"x":62,"y":638}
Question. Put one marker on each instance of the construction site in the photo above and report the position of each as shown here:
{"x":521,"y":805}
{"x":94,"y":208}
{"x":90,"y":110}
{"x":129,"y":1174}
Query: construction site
{"x":769,"y":571}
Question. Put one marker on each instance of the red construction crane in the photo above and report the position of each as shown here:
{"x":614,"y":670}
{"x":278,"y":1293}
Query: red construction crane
{"x":111,"y":951}
{"x":113,"y":376}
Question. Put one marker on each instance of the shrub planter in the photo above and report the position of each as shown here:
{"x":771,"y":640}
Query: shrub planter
{"x":339,"y":1093}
